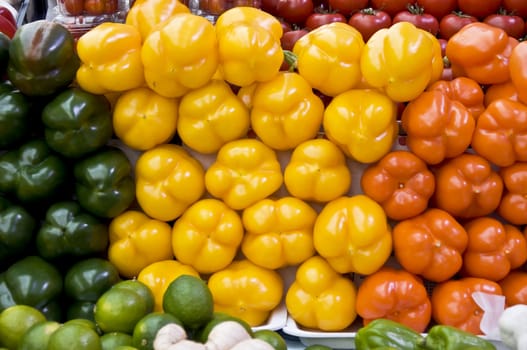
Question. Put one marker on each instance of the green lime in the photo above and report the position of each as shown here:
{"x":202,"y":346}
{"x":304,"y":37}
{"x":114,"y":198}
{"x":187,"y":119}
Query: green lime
{"x":190,"y":300}
{"x":218,"y":317}
{"x":125,"y":347}
{"x":83,"y":322}
{"x":146,"y":329}
{"x":109,"y":341}
{"x":139,"y":288}
{"x":272,"y":338}
{"x":37,"y":337}
{"x":74,"y":336}
{"x":15,"y":321}
{"x":318,"y":347}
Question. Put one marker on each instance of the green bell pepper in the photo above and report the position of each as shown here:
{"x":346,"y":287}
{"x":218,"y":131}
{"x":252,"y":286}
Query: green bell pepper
{"x":70,"y":231}
{"x":443,"y":337}
{"x":42,"y":58}
{"x":16,"y":230}
{"x":387,"y":333}
{"x":14,"y":115}
{"x":103,"y":182}
{"x":35,"y":282}
{"x":77,"y":122}
{"x":32,"y":172}
{"x":85,"y":282}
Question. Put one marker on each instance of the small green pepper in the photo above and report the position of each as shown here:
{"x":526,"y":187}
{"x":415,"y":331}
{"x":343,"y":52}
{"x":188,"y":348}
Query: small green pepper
{"x":387,"y":333}
{"x":443,"y":337}
{"x":16,"y":230}
{"x":14,"y":116}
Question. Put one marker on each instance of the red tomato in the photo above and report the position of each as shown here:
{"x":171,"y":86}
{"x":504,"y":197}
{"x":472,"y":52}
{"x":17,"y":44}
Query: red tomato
{"x":347,"y":7}
{"x":269,"y":6}
{"x":452,"y":23}
{"x":295,"y":11}
{"x":289,"y":38}
{"x":438,"y":8}
{"x":316,"y":20}
{"x":516,"y":7}
{"x":368,"y":21}
{"x":392,"y":7}
{"x":7,"y":27}
{"x":4,"y":12}
{"x":513,"y":25}
{"x":442,"y":43}
{"x":479,"y":8}
{"x":416,"y":16}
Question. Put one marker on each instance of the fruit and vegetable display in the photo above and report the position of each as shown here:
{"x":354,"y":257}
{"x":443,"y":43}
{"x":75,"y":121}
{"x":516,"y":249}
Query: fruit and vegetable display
{"x":171,"y":181}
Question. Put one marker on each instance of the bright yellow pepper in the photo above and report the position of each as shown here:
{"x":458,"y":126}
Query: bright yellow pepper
{"x":211,"y":116}
{"x":320,"y":298}
{"x":248,"y":53}
{"x":252,"y":16}
{"x":247,"y":291}
{"x":402,"y":61}
{"x":328,"y":57}
{"x":180,"y":54}
{"x":110,"y":55}
{"x":279,"y":232}
{"x":244,"y":172}
{"x":353,"y":235}
{"x":168,"y":181}
{"x":158,"y":276}
{"x":285,"y":111}
{"x":146,"y":15}
{"x":363,"y":123}
{"x":207,"y":236}
{"x":317,"y":171}
{"x":137,"y":241}
{"x":143,"y":119}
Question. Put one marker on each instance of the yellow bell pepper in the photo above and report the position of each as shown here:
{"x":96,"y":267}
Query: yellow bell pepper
{"x":328,"y":57}
{"x":252,"y":16}
{"x":285,"y":111}
{"x":143,"y":119}
{"x":244,"y":172}
{"x":211,"y":116}
{"x":402,"y":61}
{"x":207,"y":236}
{"x":137,"y":241}
{"x":353,"y":235}
{"x":146,"y":15}
{"x":363,"y":123}
{"x":179,"y":55}
{"x":320,"y":298}
{"x":158,"y":276}
{"x":317,"y":171}
{"x":248,"y":53}
{"x":168,"y":181}
{"x":247,"y":291}
{"x":246,"y":93}
{"x":110,"y":55}
{"x":279,"y":232}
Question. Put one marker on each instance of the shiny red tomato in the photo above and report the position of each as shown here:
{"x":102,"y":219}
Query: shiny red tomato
{"x":7,"y":27}
{"x":347,"y":7}
{"x":452,"y":23}
{"x":368,"y":21}
{"x":269,"y":6}
{"x":289,"y":38}
{"x":316,"y":20}
{"x":295,"y":11}
{"x":5,"y":12}
{"x":513,"y":25}
{"x":392,"y":7}
{"x":479,"y":8}
{"x":516,"y":7}
{"x":438,"y":8}
{"x":416,"y":16}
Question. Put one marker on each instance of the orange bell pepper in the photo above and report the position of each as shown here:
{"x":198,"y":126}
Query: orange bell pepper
{"x":465,"y":90}
{"x":505,"y":90}
{"x":518,"y":70}
{"x":514,"y":287}
{"x":513,"y":205}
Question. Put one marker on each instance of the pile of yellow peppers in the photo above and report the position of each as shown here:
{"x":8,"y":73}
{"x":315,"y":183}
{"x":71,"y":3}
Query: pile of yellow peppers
{"x":239,"y":218}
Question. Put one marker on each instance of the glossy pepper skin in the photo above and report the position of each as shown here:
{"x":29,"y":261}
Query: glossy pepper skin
{"x":249,"y":15}
{"x":513,"y":204}
{"x":383,"y":332}
{"x":17,"y":227}
{"x":77,"y":122}
{"x":402,"y":61}
{"x":103,"y":182}
{"x":465,"y":90}
{"x":110,"y":57}
{"x":320,"y":297}
{"x":35,"y":282}
{"x":14,"y":116}
{"x":334,"y":49}
{"x":481,"y":52}
{"x":451,"y":338}
{"x":518,"y":70}
{"x":362,"y":122}
{"x":42,"y":58}
{"x":70,"y":231}
{"x":32,"y":172}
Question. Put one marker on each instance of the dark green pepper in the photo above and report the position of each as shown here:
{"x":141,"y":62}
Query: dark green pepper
{"x":32,"y":281}
{"x":103,"y":182}
{"x":70,"y":231}
{"x":77,"y":122}
{"x":32,"y":172}
{"x":387,"y":333}
{"x":4,"y":53}
{"x":14,"y":115}
{"x":443,"y":337}
{"x":42,"y":58}
{"x":16,"y":230}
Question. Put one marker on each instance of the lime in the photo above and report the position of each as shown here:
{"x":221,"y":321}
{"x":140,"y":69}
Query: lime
{"x":218,"y":317}
{"x":15,"y":321}
{"x":83,"y":322}
{"x":74,"y":336}
{"x":318,"y":347}
{"x":272,"y":338}
{"x":190,"y":300}
{"x":37,"y":337}
{"x":139,"y":288}
{"x":110,"y":341}
{"x":125,"y":347}
{"x":146,"y":329}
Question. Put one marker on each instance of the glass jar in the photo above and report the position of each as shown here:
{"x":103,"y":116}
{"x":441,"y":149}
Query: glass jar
{"x":98,"y":10}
